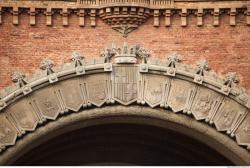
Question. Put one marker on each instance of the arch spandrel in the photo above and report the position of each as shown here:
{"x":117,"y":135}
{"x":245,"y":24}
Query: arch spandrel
{"x":80,"y":86}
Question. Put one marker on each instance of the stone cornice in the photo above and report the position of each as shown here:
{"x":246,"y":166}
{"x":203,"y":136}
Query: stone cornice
{"x":126,"y":15}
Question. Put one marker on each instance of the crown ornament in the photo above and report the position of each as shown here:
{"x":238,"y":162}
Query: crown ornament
{"x":125,"y":54}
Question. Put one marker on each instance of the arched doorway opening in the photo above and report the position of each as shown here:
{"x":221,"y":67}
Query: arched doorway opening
{"x":122,"y":144}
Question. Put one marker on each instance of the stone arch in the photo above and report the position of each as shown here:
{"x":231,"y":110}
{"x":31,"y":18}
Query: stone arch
{"x":121,"y":78}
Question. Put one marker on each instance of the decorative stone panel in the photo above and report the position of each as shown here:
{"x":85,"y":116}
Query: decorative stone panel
{"x":125,"y":75}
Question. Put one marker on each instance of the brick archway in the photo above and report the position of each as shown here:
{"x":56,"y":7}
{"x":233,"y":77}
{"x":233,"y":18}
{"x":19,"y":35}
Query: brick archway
{"x":122,"y":78}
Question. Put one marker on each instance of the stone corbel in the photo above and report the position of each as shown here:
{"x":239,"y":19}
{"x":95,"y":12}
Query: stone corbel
{"x":141,"y":11}
{"x":49,"y":14}
{"x":32,"y":13}
{"x":15,"y":13}
{"x":248,"y":16}
{"x":156,"y":17}
{"x":124,"y":10}
{"x":184,"y":17}
{"x":167,"y":17}
{"x":108,"y":11}
{"x":216,"y":14}
{"x":116,"y":10}
{"x":199,"y":17}
{"x":0,"y":15}
{"x":81,"y":14}
{"x":133,"y":10}
{"x":93,"y":17}
{"x":232,"y":17}
{"x":65,"y":15}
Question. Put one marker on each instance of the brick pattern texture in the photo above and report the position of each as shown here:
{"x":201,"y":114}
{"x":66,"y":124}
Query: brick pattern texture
{"x":22,"y":47}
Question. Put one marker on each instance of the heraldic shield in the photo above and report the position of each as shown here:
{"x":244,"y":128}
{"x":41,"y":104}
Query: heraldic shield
{"x":125,"y":84}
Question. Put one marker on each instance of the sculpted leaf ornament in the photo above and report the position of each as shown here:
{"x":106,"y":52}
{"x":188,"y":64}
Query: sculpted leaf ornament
{"x":47,"y":65}
{"x":231,"y":78}
{"x":171,"y":65}
{"x":77,"y":58}
{"x":202,"y":66}
{"x":142,"y":53}
{"x":78,"y":63}
{"x":19,"y":78}
{"x":107,"y":54}
{"x":173,"y":59}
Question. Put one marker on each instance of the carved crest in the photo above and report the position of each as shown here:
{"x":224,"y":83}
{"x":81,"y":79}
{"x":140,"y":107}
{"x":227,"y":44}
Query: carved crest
{"x":154,"y":90}
{"x":47,"y":103}
{"x":24,"y":116}
{"x":180,"y":93}
{"x":125,"y":54}
{"x":228,"y":114}
{"x":72,"y":94}
{"x":204,"y":102}
{"x":125,"y":84}
{"x":243,"y":132}
{"x":8,"y":133}
{"x":97,"y":88}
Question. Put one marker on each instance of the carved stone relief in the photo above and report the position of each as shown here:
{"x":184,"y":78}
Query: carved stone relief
{"x":8,"y":133}
{"x":180,"y":93}
{"x":171,"y":85}
{"x":96,"y":87}
{"x":47,"y":103}
{"x":155,"y":88}
{"x":243,"y":132}
{"x":228,"y":115}
{"x":204,"y":103}
{"x":71,"y":92}
{"x":125,"y":84}
{"x":22,"y":113}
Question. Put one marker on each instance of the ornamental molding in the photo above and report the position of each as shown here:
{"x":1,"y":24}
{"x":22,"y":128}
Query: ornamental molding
{"x":125,"y":16}
{"x":115,"y":79}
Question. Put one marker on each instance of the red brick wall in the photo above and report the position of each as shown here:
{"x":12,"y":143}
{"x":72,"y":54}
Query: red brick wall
{"x":22,"y":47}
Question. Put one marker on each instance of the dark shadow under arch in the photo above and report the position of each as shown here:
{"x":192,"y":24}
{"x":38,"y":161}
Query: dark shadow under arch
{"x":122,"y":144}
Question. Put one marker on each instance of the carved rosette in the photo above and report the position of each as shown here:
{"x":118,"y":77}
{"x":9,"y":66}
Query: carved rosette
{"x":125,"y":75}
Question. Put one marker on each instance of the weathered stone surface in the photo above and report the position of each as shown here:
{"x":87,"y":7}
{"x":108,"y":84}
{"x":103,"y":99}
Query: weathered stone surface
{"x":204,"y":102}
{"x":8,"y":134}
{"x":72,"y":95}
{"x":154,"y":89}
{"x":47,"y":102}
{"x":24,"y":115}
{"x":180,"y":93}
{"x":243,"y":132}
{"x":96,"y":87}
{"x":228,"y":115}
{"x":125,"y":84}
